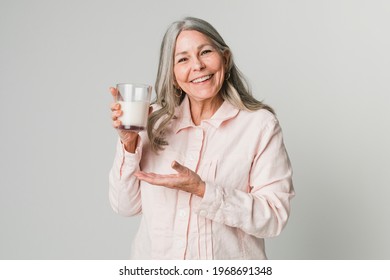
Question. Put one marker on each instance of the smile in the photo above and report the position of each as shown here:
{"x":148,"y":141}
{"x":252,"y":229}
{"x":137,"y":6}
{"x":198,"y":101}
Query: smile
{"x":202,"y":79}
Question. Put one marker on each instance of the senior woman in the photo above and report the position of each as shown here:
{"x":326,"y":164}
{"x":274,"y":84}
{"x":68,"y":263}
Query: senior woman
{"x":211,"y":176}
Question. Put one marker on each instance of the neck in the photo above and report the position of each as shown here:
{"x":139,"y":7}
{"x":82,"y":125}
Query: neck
{"x":204,"y":109}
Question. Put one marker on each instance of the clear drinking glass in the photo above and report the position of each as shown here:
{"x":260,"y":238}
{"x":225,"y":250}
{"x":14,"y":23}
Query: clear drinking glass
{"x":135,"y":101}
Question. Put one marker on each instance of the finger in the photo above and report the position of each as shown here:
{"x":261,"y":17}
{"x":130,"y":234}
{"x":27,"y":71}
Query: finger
{"x":144,"y":174}
{"x":114,"y":92}
{"x":116,"y":123}
{"x":116,"y":114}
{"x":178,"y":167}
{"x":156,"y":179}
{"x":115,"y":106}
{"x":154,"y":175}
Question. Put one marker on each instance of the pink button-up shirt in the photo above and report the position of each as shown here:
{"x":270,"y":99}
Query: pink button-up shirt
{"x":240,"y":156}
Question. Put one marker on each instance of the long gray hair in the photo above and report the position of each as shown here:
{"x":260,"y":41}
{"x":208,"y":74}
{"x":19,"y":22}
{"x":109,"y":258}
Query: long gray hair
{"x":235,"y":89}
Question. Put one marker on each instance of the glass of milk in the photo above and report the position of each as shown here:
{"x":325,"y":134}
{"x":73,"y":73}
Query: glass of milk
{"x":135,"y":101}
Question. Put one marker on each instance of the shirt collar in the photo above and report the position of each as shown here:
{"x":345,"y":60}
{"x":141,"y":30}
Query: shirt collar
{"x":225,"y":112}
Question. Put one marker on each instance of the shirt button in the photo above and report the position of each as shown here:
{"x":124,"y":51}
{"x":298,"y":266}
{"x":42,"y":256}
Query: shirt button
{"x":203,"y":212}
{"x":182,"y":213}
{"x":180,"y":244}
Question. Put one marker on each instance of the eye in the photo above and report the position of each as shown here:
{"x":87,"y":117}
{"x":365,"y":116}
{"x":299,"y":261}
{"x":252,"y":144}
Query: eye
{"x":204,"y":52}
{"x":180,"y":60}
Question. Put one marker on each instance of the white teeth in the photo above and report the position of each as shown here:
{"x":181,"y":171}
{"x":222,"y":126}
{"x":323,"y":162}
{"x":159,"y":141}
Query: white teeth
{"x":201,"y":79}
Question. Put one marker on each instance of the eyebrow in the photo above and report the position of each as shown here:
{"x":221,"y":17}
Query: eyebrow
{"x":199,"y":47}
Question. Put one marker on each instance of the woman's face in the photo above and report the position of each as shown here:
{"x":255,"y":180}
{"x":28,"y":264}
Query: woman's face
{"x":199,"y":68}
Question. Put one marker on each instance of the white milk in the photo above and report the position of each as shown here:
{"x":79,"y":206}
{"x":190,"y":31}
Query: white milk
{"x":135,"y":113}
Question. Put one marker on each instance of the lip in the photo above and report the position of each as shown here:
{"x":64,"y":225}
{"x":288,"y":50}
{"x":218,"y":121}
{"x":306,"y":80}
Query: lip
{"x":209,"y":75}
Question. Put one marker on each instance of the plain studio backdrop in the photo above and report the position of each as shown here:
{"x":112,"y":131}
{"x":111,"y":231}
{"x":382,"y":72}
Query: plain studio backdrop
{"x":323,"y":65}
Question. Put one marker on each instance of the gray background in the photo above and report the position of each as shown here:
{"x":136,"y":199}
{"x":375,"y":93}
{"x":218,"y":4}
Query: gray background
{"x":323,"y":65}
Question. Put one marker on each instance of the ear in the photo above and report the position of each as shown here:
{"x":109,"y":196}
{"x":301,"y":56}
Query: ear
{"x":175,"y":84}
{"x":227,"y":57}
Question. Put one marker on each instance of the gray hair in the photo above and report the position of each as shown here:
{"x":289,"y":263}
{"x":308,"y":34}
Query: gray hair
{"x":235,"y":89}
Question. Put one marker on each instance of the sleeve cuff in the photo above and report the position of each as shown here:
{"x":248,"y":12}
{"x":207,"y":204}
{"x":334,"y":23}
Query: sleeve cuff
{"x":128,"y":162}
{"x":211,"y":201}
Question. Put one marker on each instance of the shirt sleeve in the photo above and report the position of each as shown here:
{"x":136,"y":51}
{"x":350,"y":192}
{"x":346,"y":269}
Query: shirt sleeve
{"x":124,"y":190}
{"x":262,"y":211}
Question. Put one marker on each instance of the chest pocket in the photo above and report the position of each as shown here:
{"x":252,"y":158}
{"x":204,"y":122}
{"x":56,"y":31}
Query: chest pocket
{"x":230,"y":171}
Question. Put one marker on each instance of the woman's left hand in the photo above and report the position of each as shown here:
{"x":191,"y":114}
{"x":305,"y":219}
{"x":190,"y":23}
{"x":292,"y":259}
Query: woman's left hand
{"x":185,"y":179}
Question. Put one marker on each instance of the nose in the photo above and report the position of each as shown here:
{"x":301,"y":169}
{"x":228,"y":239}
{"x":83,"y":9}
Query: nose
{"x":198,"y":64}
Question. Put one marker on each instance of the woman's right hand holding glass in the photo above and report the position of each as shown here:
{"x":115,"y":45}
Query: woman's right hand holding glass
{"x":128,"y":138}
